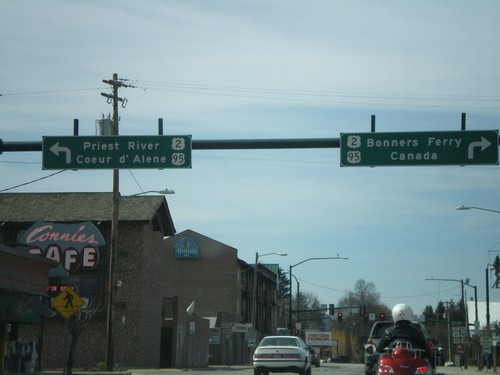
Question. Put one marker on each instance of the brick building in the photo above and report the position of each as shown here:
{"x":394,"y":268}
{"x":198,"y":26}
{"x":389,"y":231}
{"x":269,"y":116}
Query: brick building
{"x":144,"y":221}
{"x":157,"y":276}
{"x":209,"y":273}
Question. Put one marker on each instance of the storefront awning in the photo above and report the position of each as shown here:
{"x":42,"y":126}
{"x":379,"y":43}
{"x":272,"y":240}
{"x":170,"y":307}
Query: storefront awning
{"x":23,"y":283}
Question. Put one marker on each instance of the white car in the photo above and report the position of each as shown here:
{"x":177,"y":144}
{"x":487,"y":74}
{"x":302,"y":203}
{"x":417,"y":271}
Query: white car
{"x":282,"y":354}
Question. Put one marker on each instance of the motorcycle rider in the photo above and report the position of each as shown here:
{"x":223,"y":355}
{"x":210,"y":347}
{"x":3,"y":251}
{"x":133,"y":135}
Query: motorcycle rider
{"x":403,"y":329}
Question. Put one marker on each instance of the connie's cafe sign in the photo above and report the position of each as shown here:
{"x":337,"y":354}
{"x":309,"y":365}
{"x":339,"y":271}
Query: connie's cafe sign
{"x":73,"y":246}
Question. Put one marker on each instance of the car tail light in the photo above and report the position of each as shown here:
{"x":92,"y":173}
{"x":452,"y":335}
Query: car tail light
{"x":385,"y":369}
{"x":422,"y":370}
{"x":279,"y":355}
{"x":291,"y":355}
{"x":370,"y":341}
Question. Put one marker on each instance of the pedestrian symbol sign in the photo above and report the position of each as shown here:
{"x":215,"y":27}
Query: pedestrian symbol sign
{"x":68,"y":302}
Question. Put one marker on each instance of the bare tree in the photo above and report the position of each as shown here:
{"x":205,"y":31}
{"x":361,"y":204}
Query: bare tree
{"x":75,"y":325}
{"x":353,"y":329}
{"x":310,"y":316}
{"x":365,"y":293}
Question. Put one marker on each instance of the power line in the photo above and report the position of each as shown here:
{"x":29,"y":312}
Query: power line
{"x":320,"y":96}
{"x":369,"y":95}
{"x":48,"y":92}
{"x":32,"y":181}
{"x":297,"y":95}
{"x":382,"y":297}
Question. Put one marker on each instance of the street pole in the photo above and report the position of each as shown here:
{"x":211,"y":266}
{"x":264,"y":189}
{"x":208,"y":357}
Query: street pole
{"x":254,"y":291}
{"x":290,"y":328}
{"x":115,"y":83}
{"x":487,"y":299}
{"x":113,"y":248}
{"x":449,"y":333}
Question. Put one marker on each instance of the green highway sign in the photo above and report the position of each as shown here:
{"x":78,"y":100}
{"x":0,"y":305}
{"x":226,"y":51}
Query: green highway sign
{"x":116,"y":152}
{"x":467,"y":147}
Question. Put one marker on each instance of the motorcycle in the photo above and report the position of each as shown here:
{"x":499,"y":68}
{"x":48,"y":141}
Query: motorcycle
{"x":400,"y":358}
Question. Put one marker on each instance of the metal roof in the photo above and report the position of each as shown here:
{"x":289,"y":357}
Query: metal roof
{"x":74,"y":207}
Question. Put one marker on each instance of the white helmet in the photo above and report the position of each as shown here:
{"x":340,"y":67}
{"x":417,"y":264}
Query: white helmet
{"x":402,"y":312}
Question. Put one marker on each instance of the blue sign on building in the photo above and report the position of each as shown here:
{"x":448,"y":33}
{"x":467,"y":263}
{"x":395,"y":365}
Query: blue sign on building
{"x":186,"y":248}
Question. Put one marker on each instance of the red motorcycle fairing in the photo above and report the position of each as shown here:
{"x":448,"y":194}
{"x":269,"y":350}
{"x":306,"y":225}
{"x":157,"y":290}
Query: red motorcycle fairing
{"x":402,"y":359}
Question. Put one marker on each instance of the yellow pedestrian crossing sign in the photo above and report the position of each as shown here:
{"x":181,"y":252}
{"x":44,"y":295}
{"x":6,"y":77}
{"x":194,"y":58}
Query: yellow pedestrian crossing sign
{"x":68,"y":302}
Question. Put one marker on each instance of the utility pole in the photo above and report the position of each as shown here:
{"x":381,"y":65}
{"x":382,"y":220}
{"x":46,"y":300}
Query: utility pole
{"x":115,"y":83}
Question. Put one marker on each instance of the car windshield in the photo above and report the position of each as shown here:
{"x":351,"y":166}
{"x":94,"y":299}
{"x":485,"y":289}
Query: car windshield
{"x":279,"y":341}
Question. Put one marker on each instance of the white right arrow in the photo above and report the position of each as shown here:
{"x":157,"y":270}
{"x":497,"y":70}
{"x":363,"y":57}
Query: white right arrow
{"x":56,"y":149}
{"x":483,"y":143}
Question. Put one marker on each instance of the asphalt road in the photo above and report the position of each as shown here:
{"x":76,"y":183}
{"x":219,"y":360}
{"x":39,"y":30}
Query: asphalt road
{"x":324,"y":369}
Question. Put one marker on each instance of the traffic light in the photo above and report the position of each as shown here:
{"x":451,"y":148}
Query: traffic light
{"x":365,"y":317}
{"x":339,"y":317}
{"x":296,"y":332}
{"x":331,"y":309}
{"x":382,"y":316}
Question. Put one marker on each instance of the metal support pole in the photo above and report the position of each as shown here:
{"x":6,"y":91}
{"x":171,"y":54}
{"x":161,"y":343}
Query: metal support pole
{"x":254,"y":299}
{"x":290,"y":273}
{"x":298,"y":301}
{"x":466,"y":322}
{"x":475,"y":305}
{"x":290,"y":304}
{"x":487,"y":300}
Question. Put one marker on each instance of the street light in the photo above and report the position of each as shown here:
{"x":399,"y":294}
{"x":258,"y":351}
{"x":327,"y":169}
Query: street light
{"x":462,"y":285}
{"x":466,"y":320}
{"x":290,"y":273}
{"x":466,"y":282}
{"x":465,"y":208}
{"x":166,"y":191}
{"x":255,"y":269}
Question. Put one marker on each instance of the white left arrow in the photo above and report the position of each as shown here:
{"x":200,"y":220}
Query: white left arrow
{"x":483,"y":143}
{"x":56,"y":149}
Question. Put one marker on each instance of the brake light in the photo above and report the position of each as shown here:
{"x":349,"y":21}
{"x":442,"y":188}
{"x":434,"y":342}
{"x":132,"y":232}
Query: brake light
{"x":370,"y":341}
{"x":422,"y":370}
{"x":285,"y":355}
{"x":385,"y":369}
{"x":263,"y":356}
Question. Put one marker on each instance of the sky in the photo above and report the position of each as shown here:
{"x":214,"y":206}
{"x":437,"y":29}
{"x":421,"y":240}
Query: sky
{"x":267,"y":69}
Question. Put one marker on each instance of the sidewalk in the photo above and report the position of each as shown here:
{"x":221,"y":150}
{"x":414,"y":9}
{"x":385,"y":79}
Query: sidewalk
{"x":471,"y":370}
{"x":140,"y":371}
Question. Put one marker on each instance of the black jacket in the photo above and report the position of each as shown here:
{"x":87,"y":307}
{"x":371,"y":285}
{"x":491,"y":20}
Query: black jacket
{"x":403,"y":330}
